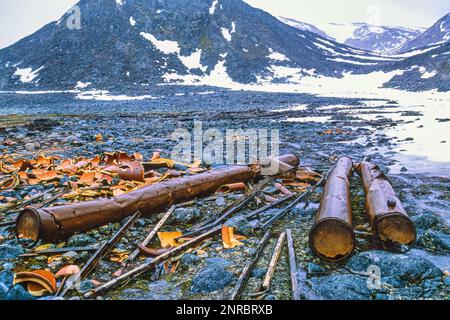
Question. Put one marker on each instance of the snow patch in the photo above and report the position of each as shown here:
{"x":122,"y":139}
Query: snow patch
{"x":233,"y":27}
{"x":165,"y":46}
{"x":193,"y":61}
{"x":119,"y":2}
{"x":226,"y":34}
{"x":132,"y":21}
{"x":27,"y":74}
{"x":213,"y":7}
{"x":104,"y":95}
{"x":340,"y":32}
{"x":277,"y":56}
{"x":427,"y":75}
{"x":82,"y":85}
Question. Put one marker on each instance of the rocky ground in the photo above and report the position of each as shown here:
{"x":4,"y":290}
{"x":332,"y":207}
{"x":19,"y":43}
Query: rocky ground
{"x":62,"y":126}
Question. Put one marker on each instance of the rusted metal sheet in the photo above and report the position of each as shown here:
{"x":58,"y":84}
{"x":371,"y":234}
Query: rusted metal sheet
{"x":332,"y":237}
{"x":58,"y":223}
{"x":389,"y":220}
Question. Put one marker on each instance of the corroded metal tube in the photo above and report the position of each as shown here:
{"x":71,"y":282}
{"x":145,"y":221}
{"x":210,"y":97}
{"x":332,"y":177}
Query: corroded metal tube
{"x":389,"y":221}
{"x":60,"y":222}
{"x":332,"y":237}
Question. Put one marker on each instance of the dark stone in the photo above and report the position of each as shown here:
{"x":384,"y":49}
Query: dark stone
{"x":189,"y":259}
{"x":430,"y":287}
{"x":447,"y":281}
{"x":435,"y":241}
{"x":3,"y":290}
{"x":426,"y":221}
{"x":341,"y":287}
{"x":314,"y":269}
{"x":221,"y":262}
{"x":241,"y":225}
{"x":402,"y":267}
{"x":258,"y":273}
{"x":85,"y":286}
{"x":158,"y":290}
{"x":6,"y":277}
{"x":210,"y":279}
{"x":80,"y":240}
{"x":18,"y":292}
{"x":185,"y":215}
{"x":383,"y":296}
{"x":8,"y":252}
{"x":403,"y":169}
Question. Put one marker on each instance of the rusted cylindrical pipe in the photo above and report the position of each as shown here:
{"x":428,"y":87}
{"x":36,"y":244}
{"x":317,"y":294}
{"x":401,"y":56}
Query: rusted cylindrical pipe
{"x":58,"y":223}
{"x":389,"y":221}
{"x":332,"y":237}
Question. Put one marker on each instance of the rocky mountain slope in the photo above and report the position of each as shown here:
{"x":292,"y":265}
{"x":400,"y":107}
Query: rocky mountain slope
{"x":437,"y":34}
{"x":124,"y":45}
{"x":140,"y":42}
{"x":427,"y":70}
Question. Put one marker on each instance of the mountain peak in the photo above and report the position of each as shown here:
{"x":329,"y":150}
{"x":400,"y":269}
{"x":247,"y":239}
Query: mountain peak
{"x":437,"y":34}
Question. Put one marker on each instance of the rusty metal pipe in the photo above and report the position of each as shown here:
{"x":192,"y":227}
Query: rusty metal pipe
{"x":389,"y":221}
{"x":58,"y":223}
{"x":332,"y":237}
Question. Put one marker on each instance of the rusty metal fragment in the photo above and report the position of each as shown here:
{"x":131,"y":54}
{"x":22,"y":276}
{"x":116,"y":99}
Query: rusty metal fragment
{"x":60,"y":222}
{"x":389,"y":220}
{"x":332,"y":237}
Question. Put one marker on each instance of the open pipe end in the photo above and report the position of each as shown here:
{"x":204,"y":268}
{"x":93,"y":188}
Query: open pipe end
{"x":332,"y":239}
{"x":28,"y":224}
{"x":396,"y":232}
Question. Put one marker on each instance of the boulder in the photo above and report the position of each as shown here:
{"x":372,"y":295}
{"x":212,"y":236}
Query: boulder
{"x":210,"y":279}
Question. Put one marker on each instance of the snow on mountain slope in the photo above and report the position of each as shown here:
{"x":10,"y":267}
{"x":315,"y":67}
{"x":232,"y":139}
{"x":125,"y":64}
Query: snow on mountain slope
{"x":380,"y":38}
{"x":303,"y":26}
{"x":363,"y":36}
{"x":439,"y":33}
{"x":427,"y":70}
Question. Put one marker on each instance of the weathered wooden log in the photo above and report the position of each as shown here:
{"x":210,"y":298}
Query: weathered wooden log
{"x":273,"y":263}
{"x":146,"y":266}
{"x":60,"y":222}
{"x":292,"y":266}
{"x":389,"y":221}
{"x":246,"y":272}
{"x":332,"y":237}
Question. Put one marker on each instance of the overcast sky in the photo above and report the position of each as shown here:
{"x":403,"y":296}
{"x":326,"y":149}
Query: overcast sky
{"x":19,"y":18}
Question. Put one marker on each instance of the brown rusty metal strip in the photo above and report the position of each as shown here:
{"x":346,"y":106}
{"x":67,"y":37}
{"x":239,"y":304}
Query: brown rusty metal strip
{"x":389,"y":220}
{"x":60,"y":222}
{"x":332,"y":237}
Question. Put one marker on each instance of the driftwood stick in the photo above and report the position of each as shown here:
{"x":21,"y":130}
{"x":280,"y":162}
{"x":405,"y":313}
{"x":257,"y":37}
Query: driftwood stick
{"x":269,"y":206}
{"x":273,"y":263}
{"x":55,"y":251}
{"x":150,"y":264}
{"x":243,"y":278}
{"x":53,"y":198}
{"x":292,"y":266}
{"x":25,"y":202}
{"x":101,"y":252}
{"x":150,"y":236}
{"x":13,"y":216}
